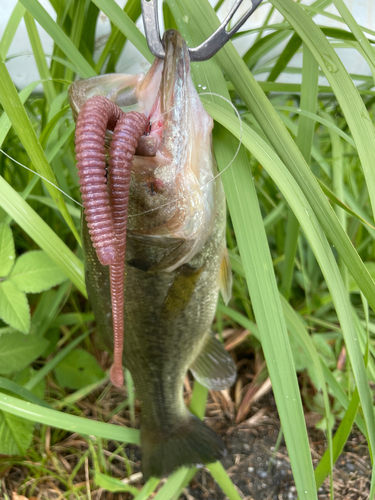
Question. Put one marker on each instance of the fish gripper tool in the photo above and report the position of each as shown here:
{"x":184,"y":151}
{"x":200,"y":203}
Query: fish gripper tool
{"x":205,"y":50}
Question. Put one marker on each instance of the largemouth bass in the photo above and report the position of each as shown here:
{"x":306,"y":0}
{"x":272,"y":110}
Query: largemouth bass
{"x":176,"y":258}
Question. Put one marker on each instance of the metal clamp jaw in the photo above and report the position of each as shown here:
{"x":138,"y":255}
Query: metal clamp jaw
{"x":205,"y":50}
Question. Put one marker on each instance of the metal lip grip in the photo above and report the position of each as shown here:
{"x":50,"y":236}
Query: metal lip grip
{"x":205,"y":50}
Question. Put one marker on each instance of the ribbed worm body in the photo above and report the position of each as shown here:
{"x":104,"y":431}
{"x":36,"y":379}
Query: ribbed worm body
{"x":106,"y":203}
{"x":130,"y":127}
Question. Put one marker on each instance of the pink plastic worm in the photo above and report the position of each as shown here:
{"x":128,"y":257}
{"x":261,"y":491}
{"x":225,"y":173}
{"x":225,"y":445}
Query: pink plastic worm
{"x":130,"y":127}
{"x":106,"y":203}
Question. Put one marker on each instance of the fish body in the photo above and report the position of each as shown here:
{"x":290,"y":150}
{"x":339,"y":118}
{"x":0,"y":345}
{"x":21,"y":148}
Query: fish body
{"x":175,"y":256}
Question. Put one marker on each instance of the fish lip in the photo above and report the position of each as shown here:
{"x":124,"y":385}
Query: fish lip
{"x":176,"y":69}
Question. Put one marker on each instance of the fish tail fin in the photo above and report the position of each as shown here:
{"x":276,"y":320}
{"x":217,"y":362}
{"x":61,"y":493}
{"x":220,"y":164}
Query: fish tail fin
{"x":190,"y":443}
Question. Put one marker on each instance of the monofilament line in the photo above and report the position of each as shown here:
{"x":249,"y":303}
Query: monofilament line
{"x":41,"y":176}
{"x":164,"y":204}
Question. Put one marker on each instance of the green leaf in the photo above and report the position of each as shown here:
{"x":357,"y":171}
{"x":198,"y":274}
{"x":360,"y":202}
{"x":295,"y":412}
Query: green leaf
{"x":78,"y":369}
{"x":7,"y":251}
{"x":35,"y":272}
{"x":15,"y":434}
{"x":14,"y":308}
{"x":18,"y":350}
{"x":114,"y":485}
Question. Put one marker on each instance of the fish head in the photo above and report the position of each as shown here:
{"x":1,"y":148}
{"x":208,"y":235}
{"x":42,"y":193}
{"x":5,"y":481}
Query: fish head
{"x":171,"y":193}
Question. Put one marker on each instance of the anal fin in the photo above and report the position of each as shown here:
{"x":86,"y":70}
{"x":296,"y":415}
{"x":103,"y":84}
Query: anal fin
{"x":214,"y":368}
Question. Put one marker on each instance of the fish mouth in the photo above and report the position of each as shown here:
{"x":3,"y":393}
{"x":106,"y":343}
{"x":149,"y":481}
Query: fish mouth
{"x":165,"y":84}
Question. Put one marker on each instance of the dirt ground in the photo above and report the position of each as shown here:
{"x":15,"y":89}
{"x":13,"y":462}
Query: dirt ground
{"x":261,"y":473}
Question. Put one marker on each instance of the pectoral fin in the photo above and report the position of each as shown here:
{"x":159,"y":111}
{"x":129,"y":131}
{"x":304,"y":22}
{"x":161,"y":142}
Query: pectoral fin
{"x":225,"y":278}
{"x":214,"y":368}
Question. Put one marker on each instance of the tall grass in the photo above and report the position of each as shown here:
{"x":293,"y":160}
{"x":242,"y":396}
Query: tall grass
{"x":300,"y":192}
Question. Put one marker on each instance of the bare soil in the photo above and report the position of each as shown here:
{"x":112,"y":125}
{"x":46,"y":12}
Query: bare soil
{"x":261,"y":473}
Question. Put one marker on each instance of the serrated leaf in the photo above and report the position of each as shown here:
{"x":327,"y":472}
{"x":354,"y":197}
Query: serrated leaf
{"x":15,"y":434}
{"x":7,"y":252}
{"x":14,"y":308}
{"x":18,"y":350}
{"x":36,"y":272}
{"x":114,"y":485}
{"x":78,"y":369}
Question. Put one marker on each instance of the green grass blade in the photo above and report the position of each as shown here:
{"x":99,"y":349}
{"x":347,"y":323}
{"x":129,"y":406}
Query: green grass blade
{"x":316,"y":118}
{"x":352,"y":105}
{"x":49,"y":89}
{"x":48,"y":367}
{"x":60,"y":38}
{"x":123,"y":22}
{"x":147,"y":489}
{"x":263,"y":47}
{"x":341,"y":436}
{"x":198,"y":400}
{"x":116,"y":41}
{"x":290,"y":50}
{"x":304,"y":140}
{"x":24,"y":129}
{"x":71,"y":423}
{"x":20,"y":391}
{"x":296,"y":87}
{"x":10,"y":29}
{"x":219,"y":473}
{"x":42,"y":234}
{"x":329,"y":15}
{"x":331,"y":195}
{"x":5,"y":124}
{"x":357,"y":32}
{"x":172,"y":485}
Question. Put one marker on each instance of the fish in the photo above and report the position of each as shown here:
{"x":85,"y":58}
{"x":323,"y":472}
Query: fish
{"x":175,"y":260}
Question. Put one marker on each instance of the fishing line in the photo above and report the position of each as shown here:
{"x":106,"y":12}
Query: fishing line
{"x":217,"y":175}
{"x":41,"y":176}
{"x":164,"y":204}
